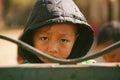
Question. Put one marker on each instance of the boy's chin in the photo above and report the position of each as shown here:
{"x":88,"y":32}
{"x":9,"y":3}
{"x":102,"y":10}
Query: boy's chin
{"x":45,"y":60}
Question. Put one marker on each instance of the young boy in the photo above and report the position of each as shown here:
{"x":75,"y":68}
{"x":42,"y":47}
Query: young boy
{"x":109,"y":33}
{"x":57,"y":28}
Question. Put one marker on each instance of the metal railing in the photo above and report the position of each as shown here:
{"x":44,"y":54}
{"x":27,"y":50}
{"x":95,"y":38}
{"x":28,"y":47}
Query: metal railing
{"x":61,"y":61}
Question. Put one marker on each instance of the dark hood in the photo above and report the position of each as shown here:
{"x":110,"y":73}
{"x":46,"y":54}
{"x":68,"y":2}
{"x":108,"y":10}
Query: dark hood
{"x":57,"y":11}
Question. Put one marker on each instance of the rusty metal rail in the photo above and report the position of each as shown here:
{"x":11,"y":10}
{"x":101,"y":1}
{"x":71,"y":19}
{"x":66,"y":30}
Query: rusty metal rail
{"x":61,"y":72}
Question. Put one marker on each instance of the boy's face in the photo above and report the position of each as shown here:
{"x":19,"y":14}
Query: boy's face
{"x":55,"y":40}
{"x":112,"y":56}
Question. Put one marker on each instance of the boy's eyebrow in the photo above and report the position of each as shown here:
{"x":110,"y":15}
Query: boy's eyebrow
{"x":65,"y":35}
{"x":45,"y":32}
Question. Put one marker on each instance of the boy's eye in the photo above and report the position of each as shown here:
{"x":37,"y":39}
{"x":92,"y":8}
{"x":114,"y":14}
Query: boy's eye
{"x":44,"y":38}
{"x":64,"y":40}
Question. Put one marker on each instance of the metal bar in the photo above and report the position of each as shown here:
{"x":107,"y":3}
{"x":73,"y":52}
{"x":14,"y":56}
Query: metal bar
{"x":61,"y":61}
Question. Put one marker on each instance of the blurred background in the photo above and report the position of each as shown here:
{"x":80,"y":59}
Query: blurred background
{"x":14,"y":14}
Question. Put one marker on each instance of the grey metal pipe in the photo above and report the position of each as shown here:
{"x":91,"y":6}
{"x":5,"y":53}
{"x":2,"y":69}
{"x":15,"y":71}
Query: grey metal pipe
{"x":61,"y":61}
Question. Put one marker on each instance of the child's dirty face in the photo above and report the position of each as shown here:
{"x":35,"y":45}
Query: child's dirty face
{"x":55,"y":40}
{"x":112,"y":56}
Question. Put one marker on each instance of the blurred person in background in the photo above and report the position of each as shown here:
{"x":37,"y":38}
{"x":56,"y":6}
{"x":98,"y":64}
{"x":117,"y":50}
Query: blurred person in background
{"x":108,"y":34}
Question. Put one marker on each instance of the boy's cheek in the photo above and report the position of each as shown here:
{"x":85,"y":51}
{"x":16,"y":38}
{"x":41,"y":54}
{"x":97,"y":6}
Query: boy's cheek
{"x":65,"y":52}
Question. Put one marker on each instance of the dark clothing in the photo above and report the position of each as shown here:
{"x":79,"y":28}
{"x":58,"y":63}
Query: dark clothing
{"x":57,"y":11}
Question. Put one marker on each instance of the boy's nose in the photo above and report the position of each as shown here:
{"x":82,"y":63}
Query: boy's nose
{"x":53,"y":48}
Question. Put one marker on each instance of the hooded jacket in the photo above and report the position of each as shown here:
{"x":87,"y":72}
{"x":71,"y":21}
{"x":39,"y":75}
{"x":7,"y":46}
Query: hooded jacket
{"x":46,"y":12}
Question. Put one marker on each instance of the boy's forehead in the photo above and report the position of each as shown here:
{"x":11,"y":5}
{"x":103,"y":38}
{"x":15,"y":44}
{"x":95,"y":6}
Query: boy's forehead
{"x":59,"y":27}
{"x":43,"y":29}
{"x":50,"y":30}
